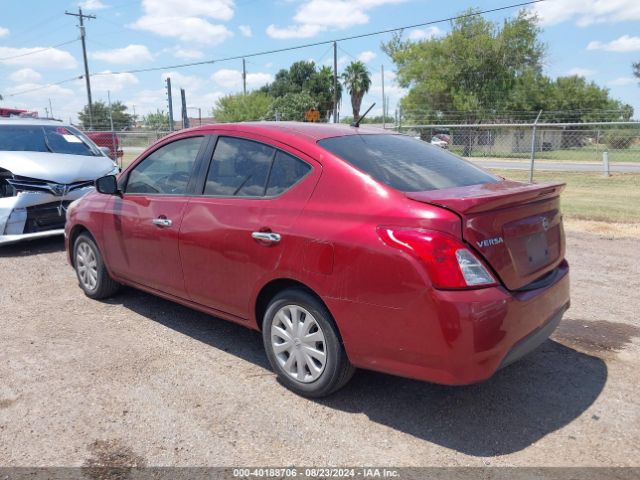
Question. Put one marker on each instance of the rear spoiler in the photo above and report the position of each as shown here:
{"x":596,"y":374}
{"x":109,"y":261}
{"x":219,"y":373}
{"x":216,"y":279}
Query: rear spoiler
{"x":488,"y":196}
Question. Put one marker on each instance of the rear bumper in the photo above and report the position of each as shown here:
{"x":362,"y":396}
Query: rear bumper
{"x":453,"y":337}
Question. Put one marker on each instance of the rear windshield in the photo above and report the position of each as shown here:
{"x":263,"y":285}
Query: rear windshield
{"x":46,"y":138}
{"x":404,"y":163}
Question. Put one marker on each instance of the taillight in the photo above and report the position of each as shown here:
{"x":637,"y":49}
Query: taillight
{"x":450,"y":264}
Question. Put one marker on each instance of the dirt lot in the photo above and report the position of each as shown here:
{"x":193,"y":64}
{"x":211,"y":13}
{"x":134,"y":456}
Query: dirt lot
{"x":138,"y":380}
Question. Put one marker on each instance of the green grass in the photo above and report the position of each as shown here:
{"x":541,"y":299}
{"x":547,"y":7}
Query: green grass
{"x":585,"y":154}
{"x":592,"y":196}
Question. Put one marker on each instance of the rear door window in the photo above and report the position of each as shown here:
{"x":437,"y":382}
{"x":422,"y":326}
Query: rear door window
{"x":404,"y":163}
{"x":286,"y":171}
{"x":239,"y":168}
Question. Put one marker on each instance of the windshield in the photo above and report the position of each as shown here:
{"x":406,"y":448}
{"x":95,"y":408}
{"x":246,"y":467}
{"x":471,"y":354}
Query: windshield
{"x":406,"y":164}
{"x":46,"y":138}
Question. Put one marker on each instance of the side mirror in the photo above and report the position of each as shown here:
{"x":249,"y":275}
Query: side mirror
{"x":107,"y":185}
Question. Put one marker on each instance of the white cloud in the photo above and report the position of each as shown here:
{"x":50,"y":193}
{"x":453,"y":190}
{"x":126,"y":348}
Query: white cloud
{"x":126,"y":55}
{"x":4,"y":32}
{"x":418,"y":34}
{"x":391,"y":90}
{"x":187,"y":53}
{"x":299,"y":31}
{"x":581,"y":72}
{"x":187,"y":20}
{"x":625,"y":43}
{"x":233,"y":79}
{"x":315,"y":16}
{"x":366,"y":56}
{"x":92,"y":5}
{"x":178,"y":80}
{"x":245,"y":30}
{"x":587,"y":12}
{"x":40,"y":91}
{"x":38,"y":57}
{"x":114,"y":83}
{"x":621,"y":81}
{"x":25,"y":75}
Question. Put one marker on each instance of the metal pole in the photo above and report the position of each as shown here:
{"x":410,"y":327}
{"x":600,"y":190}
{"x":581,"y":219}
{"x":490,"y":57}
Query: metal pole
{"x":114,"y":149}
{"x":605,"y":162}
{"x":335,"y":82}
{"x":199,"y":117}
{"x":383,"y":98}
{"x":84,"y":56}
{"x":244,"y":77}
{"x":185,"y":114}
{"x":170,"y":99}
{"x":533,"y":147}
{"x":50,"y":108}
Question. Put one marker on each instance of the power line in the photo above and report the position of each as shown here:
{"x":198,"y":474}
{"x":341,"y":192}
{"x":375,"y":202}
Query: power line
{"x":324,"y":42}
{"x":33,"y":52}
{"x":42,"y":87}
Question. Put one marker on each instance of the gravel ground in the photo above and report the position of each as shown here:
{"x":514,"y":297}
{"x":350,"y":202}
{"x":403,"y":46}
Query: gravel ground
{"x":142,"y":381}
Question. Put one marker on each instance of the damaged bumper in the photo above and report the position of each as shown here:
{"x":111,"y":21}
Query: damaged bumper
{"x":31,"y":214}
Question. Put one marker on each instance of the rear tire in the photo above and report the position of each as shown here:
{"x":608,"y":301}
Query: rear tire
{"x":303,"y":345}
{"x":92,"y":275}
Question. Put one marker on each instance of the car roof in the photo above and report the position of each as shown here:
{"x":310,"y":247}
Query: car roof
{"x":312,"y":131}
{"x":32,"y":121}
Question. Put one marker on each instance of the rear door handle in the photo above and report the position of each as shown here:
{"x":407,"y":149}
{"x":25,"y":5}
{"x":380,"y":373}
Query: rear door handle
{"x":162,"y":222}
{"x":268,"y":237}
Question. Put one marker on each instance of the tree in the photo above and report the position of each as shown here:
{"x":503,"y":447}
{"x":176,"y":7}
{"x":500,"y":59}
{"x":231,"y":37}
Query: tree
{"x":471,"y":70}
{"x":242,"y":108}
{"x":292,"y":106}
{"x":636,"y":70}
{"x":156,"y":121}
{"x":357,"y":81}
{"x":302,"y":77}
{"x":100,"y":114}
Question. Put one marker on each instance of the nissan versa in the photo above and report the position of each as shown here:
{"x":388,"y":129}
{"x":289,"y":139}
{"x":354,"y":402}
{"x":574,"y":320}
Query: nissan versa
{"x":347,"y":247}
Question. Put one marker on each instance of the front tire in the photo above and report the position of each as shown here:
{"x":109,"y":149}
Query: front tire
{"x":92,"y":275}
{"x":303,"y":346}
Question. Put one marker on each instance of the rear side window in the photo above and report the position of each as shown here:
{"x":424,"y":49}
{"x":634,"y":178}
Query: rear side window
{"x":285,"y":173}
{"x":404,"y":163}
{"x":239,"y":168}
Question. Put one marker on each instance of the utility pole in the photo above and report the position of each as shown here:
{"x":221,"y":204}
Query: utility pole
{"x":244,"y":77}
{"x":185,"y":114}
{"x":81,"y":16}
{"x":170,"y":100}
{"x":50,"y":108}
{"x":384,"y":115}
{"x":335,"y":82}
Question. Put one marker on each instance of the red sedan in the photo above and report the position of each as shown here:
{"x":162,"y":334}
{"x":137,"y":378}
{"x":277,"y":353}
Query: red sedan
{"x":347,"y":247}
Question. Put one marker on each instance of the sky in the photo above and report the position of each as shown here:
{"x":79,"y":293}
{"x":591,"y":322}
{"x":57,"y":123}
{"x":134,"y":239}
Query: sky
{"x":598,"y":39}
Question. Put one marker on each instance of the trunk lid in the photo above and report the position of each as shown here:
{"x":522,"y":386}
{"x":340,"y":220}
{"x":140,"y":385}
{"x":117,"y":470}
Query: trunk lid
{"x":515,"y":227}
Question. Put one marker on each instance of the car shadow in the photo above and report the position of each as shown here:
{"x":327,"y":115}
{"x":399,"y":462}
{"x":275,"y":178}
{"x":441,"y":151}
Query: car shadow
{"x":33,"y":247}
{"x":518,"y":406}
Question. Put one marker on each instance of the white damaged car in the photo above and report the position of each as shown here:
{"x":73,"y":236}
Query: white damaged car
{"x":44,"y":166}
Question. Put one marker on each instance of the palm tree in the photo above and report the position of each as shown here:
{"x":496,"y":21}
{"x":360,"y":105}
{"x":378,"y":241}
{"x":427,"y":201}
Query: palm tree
{"x":357,"y":80}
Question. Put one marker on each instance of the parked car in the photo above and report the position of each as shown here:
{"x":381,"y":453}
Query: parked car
{"x":347,"y":247}
{"x":44,"y":166}
{"x":107,"y":140}
{"x":439,"y":142}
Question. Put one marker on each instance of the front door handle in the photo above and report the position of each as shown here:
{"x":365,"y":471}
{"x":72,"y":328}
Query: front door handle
{"x":268,"y":237}
{"x":162,"y":222}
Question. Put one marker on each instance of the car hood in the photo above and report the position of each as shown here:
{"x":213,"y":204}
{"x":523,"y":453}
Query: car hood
{"x":55,"y":167}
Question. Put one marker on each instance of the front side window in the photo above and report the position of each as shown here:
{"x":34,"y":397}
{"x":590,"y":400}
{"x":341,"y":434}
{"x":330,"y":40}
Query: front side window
{"x":167,"y":170}
{"x":406,"y":164}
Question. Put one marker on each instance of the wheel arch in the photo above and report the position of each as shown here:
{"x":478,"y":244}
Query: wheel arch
{"x":75,"y":232}
{"x":275,"y":286}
